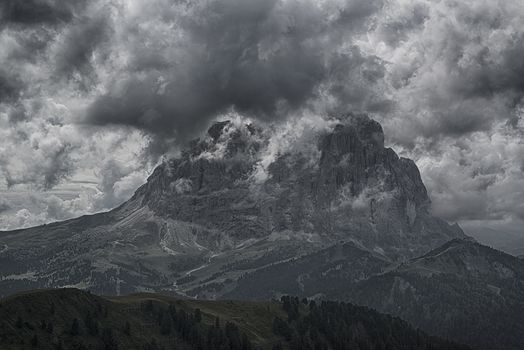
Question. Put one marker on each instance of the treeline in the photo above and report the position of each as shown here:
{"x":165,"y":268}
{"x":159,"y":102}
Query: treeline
{"x":148,"y":326}
{"x":75,"y":320}
{"x":190,"y":328}
{"x":485,"y":313}
{"x":342,"y":326}
{"x":77,"y":333}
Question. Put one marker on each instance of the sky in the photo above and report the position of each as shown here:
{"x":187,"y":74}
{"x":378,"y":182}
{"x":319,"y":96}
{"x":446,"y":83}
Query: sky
{"x":93,"y":93}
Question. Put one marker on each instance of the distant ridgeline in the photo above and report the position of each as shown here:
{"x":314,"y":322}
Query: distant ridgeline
{"x":72,"y":319}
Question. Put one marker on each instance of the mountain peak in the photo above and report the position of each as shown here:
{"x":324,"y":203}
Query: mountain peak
{"x":356,"y":188}
{"x":215,"y":130}
{"x":358,"y":127}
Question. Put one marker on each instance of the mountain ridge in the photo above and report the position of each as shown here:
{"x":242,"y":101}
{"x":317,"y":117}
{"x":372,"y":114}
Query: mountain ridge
{"x":462,"y":290}
{"x":237,"y":215}
{"x":220,"y":202}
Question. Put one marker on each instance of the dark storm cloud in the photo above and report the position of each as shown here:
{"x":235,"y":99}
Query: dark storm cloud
{"x":352,"y":78}
{"x":29,"y":12}
{"x":10,"y":87}
{"x":59,"y":167}
{"x":262,"y":58}
{"x":37,"y":12}
{"x":468,"y":73}
{"x":353,"y":15}
{"x":17,"y":114}
{"x":488,"y":75}
{"x":396,"y":30}
{"x":30,"y":45}
{"x":4,"y":206}
{"x":34,"y":24}
{"x":445,"y":78}
{"x":80,"y":41}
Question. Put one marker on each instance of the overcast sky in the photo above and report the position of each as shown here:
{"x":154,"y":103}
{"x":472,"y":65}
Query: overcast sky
{"x":94,"y":92}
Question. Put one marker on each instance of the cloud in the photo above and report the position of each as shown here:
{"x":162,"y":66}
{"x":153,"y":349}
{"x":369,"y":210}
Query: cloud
{"x":479,"y":177}
{"x":36,"y":12}
{"x":294,"y":138}
{"x":99,"y":89}
{"x":78,"y":45}
{"x":10,"y":87}
{"x":38,"y":153}
{"x":4,"y":206}
{"x":264,"y":59}
{"x":118,"y":183}
{"x":105,"y":169}
{"x":454,"y":67}
{"x":456,"y":78}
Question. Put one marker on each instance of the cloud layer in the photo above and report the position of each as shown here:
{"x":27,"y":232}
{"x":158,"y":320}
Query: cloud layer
{"x":93,"y":92}
{"x":457,"y":79}
{"x":186,"y":64}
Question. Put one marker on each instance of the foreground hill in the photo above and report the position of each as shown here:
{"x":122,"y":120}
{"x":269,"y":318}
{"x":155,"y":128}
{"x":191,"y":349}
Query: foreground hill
{"x":72,"y":319}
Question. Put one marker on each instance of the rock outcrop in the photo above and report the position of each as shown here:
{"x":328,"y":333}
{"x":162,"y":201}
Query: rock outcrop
{"x":353,"y":188}
{"x":226,"y":208}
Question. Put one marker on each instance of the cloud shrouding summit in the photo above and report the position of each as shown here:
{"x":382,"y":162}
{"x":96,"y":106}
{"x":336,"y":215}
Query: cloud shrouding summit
{"x":445,"y":78}
{"x":186,"y":63}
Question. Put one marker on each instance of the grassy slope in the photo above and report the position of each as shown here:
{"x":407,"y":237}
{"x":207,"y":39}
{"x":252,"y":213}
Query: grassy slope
{"x":25,"y":319}
{"x":253,"y":318}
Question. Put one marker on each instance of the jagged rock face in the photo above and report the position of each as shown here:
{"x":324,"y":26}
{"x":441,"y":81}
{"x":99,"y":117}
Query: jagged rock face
{"x":232,"y":205}
{"x":352,"y":187}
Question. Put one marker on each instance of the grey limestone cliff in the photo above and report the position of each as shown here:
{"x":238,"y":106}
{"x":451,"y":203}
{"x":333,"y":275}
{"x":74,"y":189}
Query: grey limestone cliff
{"x":223,"y":210}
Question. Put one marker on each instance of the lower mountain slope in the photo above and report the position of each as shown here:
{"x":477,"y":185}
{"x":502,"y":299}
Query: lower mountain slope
{"x":72,"y":319}
{"x":463,"y":291}
{"x":321,"y":274}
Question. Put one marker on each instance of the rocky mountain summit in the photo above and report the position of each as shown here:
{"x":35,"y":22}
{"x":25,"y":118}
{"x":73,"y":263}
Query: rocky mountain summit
{"x":349,"y":188}
{"x":240,"y":214}
{"x":229,"y":205}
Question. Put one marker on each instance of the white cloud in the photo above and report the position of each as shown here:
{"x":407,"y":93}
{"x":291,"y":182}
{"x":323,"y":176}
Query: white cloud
{"x":443,"y":77}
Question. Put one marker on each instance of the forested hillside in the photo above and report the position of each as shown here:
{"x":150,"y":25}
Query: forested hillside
{"x":72,"y":319}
